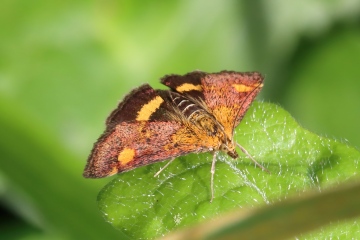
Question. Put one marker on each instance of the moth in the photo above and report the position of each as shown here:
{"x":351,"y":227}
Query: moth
{"x":198,"y":113}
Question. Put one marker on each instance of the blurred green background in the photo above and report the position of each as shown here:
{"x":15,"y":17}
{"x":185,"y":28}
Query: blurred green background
{"x":64,"y":65}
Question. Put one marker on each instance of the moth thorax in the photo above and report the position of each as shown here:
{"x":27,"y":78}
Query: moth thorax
{"x":185,"y":105}
{"x":195,"y":114}
{"x":204,"y":121}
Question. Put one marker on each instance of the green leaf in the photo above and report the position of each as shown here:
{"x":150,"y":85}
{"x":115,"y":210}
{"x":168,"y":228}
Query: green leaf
{"x":287,"y":218}
{"x":143,"y":206}
{"x":301,"y":214}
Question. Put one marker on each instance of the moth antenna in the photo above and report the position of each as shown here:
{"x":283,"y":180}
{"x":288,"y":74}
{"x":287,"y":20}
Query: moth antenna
{"x":161,"y":169}
{"x":249,"y":156}
{"x":212,"y":176}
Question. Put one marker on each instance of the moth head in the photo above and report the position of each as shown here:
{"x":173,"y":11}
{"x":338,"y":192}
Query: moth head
{"x":229,"y":148}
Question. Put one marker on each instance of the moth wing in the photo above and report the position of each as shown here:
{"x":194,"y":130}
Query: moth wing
{"x":189,"y":84}
{"x":133,"y":144}
{"x":129,"y":135}
{"x":141,"y":104}
{"x":227,"y":95}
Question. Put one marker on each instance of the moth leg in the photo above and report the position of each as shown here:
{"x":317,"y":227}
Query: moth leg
{"x":161,"y":169}
{"x":249,"y":156}
{"x":212,"y":176}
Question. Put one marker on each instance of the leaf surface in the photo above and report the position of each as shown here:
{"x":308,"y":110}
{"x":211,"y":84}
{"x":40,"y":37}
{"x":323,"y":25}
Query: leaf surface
{"x":143,"y":206}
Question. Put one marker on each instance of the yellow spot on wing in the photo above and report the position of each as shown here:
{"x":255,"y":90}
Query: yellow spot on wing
{"x":245,"y":88}
{"x":126,"y":156}
{"x":113,"y":171}
{"x":188,"y":87}
{"x":149,"y":108}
